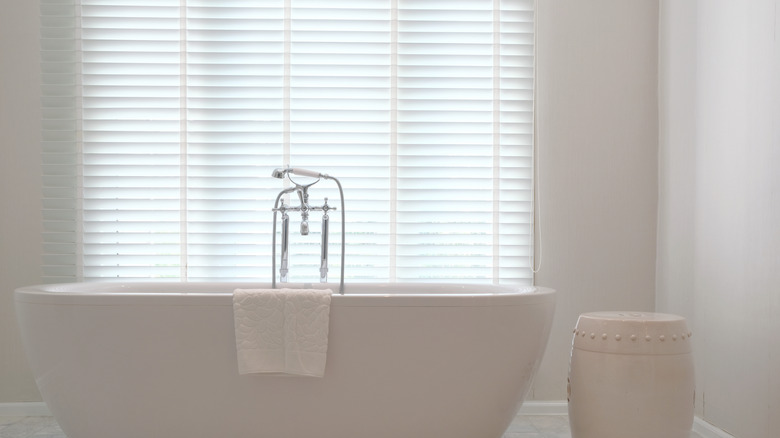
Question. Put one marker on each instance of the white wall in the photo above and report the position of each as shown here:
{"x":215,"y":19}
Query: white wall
{"x":598,"y":133}
{"x":719,"y":216}
{"x":598,"y":129}
{"x":20,"y":185}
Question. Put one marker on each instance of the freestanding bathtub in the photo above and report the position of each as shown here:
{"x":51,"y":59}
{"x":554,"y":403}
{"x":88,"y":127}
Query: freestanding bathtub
{"x":404,"y":361}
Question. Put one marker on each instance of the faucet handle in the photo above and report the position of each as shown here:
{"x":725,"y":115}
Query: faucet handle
{"x":326,"y":208}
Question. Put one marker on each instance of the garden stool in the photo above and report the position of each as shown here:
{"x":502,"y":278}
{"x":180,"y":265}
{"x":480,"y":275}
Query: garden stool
{"x":631,"y":375}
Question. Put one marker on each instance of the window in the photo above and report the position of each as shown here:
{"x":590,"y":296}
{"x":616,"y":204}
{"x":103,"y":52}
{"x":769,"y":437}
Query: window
{"x":163,"y":120}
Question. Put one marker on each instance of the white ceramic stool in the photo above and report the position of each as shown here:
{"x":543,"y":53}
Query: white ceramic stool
{"x":631,"y":375}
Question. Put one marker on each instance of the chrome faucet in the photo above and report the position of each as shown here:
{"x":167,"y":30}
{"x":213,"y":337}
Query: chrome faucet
{"x":303,"y":195}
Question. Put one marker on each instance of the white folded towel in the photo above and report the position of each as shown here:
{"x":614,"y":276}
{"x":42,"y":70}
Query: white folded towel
{"x":282,"y":330}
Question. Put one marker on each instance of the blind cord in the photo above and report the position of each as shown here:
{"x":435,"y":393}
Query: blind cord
{"x":535,"y":150}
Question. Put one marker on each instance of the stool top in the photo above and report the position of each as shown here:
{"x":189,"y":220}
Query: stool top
{"x":635,"y":316}
{"x":632,"y":333}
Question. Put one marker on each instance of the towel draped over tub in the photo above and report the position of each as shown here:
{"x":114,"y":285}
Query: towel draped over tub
{"x":282,"y":331}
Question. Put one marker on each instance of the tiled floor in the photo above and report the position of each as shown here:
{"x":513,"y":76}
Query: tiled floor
{"x":524,"y":426}
{"x":24,"y":427}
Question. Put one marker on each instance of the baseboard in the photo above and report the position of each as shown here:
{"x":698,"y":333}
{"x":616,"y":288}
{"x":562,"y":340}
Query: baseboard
{"x":701,"y":427}
{"x":544,"y":408}
{"x":707,"y":430}
{"x":29,"y":409}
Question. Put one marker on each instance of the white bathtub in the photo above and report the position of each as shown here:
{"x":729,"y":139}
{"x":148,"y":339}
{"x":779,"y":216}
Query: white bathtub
{"x":404,"y":361}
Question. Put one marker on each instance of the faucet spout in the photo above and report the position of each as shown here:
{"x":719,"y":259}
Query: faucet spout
{"x":305,"y":225}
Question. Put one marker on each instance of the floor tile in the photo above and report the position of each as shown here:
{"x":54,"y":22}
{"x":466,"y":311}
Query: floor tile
{"x":550,"y":423}
{"x":8,"y":420}
{"x":22,"y":428}
{"x":523,"y":426}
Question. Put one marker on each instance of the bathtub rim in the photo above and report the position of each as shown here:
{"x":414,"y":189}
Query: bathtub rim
{"x":108,"y":293}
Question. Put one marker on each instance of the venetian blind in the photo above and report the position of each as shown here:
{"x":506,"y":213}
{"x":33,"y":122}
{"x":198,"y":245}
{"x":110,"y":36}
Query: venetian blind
{"x":163,"y":120}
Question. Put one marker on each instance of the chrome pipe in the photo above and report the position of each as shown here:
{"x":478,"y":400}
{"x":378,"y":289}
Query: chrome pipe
{"x":285,"y":248}
{"x":343,"y":228}
{"x":273,"y":234}
{"x":324,"y":248}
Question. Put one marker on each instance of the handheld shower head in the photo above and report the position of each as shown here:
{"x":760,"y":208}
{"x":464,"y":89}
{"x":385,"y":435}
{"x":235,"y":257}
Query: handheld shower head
{"x":305,"y":172}
{"x":279,"y":173}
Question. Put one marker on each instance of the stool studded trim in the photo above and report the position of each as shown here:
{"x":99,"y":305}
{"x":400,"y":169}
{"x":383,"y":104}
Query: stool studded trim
{"x":632,"y":333}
